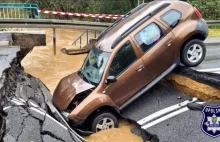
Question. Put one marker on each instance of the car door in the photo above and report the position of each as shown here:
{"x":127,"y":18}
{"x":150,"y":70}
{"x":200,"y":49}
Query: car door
{"x":154,"y":43}
{"x":128,"y":68}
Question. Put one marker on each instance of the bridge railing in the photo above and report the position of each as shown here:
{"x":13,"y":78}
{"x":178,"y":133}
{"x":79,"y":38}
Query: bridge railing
{"x":83,"y":39}
{"x":19,"y":11}
{"x":51,"y":23}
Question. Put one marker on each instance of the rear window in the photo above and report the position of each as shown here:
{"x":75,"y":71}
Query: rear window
{"x":172,"y":18}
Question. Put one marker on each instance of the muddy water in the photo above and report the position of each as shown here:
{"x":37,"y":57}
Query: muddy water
{"x":42,"y":64}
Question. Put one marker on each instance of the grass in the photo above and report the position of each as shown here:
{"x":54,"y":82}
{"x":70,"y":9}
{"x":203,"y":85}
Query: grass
{"x":214,"y":32}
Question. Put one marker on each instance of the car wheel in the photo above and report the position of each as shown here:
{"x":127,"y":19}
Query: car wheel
{"x":193,"y":53}
{"x":103,"y":121}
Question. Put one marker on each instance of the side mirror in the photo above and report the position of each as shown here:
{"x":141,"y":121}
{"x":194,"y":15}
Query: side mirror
{"x":110,"y":79}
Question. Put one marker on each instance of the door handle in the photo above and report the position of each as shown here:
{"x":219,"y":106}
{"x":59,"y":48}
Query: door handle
{"x":169,"y":43}
{"x":140,"y":68}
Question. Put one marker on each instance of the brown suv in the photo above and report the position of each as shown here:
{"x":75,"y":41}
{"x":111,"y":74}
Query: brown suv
{"x":128,"y":59}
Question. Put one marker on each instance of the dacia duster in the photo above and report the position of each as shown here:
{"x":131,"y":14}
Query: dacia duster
{"x":130,"y":57}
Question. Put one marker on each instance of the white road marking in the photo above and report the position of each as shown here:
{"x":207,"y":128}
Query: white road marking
{"x":165,"y":111}
{"x":212,"y":70}
{"x":170,"y":115}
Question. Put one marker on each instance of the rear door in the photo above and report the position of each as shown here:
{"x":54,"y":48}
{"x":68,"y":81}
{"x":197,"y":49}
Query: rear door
{"x":155,"y":43}
{"x":129,"y":69}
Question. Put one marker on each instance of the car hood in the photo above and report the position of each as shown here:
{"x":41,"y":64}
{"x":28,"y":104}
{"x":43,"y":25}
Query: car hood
{"x":67,"y":89}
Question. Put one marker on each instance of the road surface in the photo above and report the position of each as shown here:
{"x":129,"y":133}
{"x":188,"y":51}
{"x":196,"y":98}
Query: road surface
{"x":185,"y":126}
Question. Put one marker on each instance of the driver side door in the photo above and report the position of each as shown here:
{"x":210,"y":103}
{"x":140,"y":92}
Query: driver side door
{"x":129,"y":70}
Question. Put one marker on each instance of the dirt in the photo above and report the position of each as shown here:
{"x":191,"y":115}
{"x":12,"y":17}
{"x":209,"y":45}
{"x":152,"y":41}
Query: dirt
{"x":204,"y":86}
{"x":50,"y":69}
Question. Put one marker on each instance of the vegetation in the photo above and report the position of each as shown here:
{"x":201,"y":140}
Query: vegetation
{"x":209,"y":8}
{"x":214,"y":32}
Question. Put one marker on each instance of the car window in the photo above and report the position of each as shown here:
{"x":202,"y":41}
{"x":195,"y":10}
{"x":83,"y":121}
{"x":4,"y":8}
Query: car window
{"x":147,"y":37}
{"x":172,"y":18}
{"x":122,"y":60}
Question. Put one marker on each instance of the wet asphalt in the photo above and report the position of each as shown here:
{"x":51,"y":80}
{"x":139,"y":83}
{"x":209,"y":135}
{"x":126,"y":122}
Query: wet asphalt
{"x":185,"y":127}
{"x":212,"y":59}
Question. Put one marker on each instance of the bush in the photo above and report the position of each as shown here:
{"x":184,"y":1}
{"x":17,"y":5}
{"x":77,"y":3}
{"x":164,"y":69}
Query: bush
{"x":209,"y":9}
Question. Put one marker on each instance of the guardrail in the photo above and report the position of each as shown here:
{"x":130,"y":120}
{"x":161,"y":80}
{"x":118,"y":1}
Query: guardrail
{"x":213,"y":22}
{"x":52,"y":23}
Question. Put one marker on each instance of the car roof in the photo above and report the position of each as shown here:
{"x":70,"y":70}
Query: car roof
{"x":111,"y":35}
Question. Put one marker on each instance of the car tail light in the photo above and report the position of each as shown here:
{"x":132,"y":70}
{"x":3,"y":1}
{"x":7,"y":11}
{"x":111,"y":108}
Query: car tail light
{"x":198,"y":13}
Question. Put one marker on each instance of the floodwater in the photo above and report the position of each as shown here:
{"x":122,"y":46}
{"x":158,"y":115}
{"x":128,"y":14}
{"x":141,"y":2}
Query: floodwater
{"x":42,"y":64}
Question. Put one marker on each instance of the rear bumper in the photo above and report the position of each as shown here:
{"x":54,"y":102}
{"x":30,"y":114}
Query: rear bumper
{"x":202,"y":28}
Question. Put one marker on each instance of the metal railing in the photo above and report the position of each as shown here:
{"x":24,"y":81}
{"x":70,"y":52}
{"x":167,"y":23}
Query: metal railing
{"x":87,"y":34}
{"x":19,"y":11}
{"x":51,"y":23}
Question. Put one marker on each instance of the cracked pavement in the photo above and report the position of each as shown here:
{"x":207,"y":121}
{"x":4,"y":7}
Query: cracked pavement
{"x":30,"y":117}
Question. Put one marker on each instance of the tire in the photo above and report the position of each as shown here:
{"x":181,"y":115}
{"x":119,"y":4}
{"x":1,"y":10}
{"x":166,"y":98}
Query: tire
{"x":99,"y":118}
{"x":193,"y":53}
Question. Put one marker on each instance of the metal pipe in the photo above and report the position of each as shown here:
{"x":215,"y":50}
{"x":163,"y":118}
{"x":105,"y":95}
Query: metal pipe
{"x":95,"y":33}
{"x":54,"y":41}
{"x":87,"y":36}
{"x":4,"y":12}
{"x":80,"y":41}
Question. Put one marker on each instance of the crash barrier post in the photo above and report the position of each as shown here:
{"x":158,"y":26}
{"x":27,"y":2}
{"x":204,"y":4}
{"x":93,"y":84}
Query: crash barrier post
{"x":19,"y":11}
{"x":86,"y":34}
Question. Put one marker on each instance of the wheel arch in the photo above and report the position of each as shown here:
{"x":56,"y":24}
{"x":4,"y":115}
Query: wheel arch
{"x":199,"y":36}
{"x":105,"y":108}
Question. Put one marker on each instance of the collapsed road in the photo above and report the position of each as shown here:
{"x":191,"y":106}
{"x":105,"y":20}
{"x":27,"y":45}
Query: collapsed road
{"x":27,"y":104}
{"x":24,"y":124}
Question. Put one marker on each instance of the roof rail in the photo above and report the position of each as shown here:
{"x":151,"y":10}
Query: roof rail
{"x":122,"y":18}
{"x":137,"y":24}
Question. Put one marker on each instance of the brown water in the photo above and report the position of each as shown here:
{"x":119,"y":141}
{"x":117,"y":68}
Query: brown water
{"x":42,"y":64}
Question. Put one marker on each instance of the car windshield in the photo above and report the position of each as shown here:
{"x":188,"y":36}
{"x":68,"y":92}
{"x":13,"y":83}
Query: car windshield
{"x":94,"y":65}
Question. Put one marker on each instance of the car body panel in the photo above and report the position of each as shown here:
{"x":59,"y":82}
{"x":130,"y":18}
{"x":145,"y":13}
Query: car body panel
{"x":67,"y":89}
{"x":119,"y":91}
{"x":94,"y":101}
{"x":154,"y":58}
